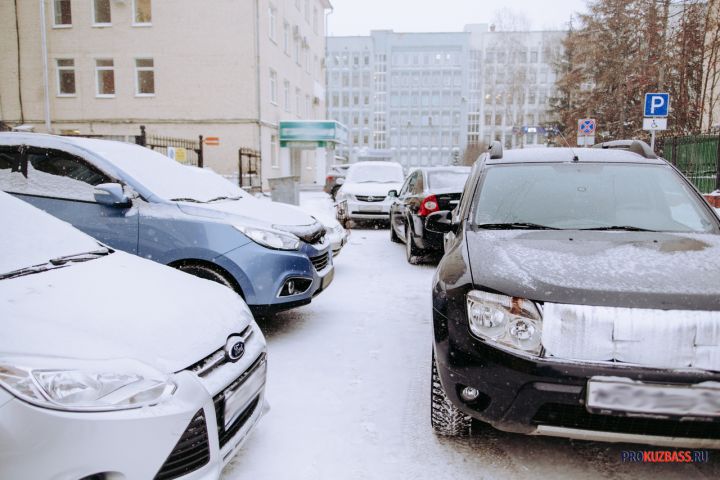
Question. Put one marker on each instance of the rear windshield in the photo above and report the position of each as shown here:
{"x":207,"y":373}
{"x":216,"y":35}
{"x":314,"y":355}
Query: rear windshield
{"x":447,"y":180}
{"x":586,"y":196}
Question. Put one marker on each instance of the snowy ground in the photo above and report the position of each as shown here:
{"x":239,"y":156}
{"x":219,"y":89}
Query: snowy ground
{"x":349,"y":391}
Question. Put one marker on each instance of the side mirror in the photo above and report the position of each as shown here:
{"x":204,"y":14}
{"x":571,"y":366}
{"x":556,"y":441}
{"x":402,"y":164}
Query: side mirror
{"x":111,"y":195}
{"x":393,"y":194}
{"x":440,"y":222}
{"x":339,"y":180}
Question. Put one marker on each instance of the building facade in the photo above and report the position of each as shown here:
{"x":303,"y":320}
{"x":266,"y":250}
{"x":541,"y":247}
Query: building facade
{"x":422,"y":98}
{"x":232,"y":70}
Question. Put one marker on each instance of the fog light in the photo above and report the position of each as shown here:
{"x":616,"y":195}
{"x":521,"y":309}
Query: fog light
{"x":291,"y":287}
{"x":295,"y":286}
{"x":470,"y":394}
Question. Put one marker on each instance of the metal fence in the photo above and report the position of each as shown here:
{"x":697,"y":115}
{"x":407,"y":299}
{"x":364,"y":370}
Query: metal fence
{"x":696,"y":156}
{"x":186,"y":151}
{"x":249,"y":169}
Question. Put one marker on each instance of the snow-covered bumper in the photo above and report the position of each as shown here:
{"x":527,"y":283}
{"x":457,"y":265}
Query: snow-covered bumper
{"x":575,"y":399}
{"x":184,"y":437}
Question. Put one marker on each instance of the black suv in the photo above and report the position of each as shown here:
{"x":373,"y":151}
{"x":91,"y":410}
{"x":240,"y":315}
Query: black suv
{"x":579,"y":297}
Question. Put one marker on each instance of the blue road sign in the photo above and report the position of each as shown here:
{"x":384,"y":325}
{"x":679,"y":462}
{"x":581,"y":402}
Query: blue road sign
{"x":657,"y":104}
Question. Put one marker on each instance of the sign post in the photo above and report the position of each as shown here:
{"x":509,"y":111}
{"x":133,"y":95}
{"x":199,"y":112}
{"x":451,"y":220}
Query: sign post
{"x":586,"y":132}
{"x":657,"y":107}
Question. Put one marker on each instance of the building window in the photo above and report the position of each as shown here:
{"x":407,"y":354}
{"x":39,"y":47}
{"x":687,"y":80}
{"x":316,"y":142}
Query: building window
{"x":286,"y":38}
{"x":315,"y":20}
{"x":63,"y":14}
{"x":274,"y":159}
{"x":144,"y":76}
{"x":308,"y":106}
{"x":66,"y":76}
{"x":105,"y":73}
{"x":298,"y":100}
{"x":142,"y":12}
{"x":273,"y":21}
{"x":286,"y":95}
{"x":297,"y":50}
{"x":101,"y":12}
{"x":307,"y":11}
{"x":273,"y":86}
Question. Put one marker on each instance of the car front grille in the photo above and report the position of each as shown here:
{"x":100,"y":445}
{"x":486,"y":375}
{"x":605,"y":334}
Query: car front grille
{"x":219,"y":401}
{"x":321,"y":261}
{"x":191,"y":452}
{"x":369,"y":198}
{"x":218,"y":358}
{"x":577,"y":417}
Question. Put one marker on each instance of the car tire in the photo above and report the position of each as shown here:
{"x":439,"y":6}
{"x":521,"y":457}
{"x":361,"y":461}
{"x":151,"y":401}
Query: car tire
{"x":393,"y":236}
{"x":445,"y":418}
{"x":412,"y":253}
{"x":207,"y":273}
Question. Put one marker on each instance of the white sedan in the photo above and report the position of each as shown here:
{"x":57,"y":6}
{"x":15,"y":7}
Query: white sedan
{"x":364,"y":194}
{"x":112,"y":366}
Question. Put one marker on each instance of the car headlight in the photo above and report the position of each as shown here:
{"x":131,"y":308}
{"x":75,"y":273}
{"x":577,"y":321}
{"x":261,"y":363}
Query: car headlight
{"x":75,"y":385}
{"x":271,"y":238}
{"x":509,"y":322}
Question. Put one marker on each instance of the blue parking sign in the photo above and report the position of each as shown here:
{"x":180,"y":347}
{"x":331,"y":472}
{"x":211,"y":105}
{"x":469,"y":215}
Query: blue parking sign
{"x":657,"y":104}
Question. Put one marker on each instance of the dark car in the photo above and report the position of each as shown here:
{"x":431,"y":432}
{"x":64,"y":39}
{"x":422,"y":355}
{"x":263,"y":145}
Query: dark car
{"x":426,"y":190}
{"x":334,"y":179}
{"x":579,"y":298}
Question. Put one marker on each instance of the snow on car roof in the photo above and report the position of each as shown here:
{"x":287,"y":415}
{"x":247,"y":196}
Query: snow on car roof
{"x":32,"y":237}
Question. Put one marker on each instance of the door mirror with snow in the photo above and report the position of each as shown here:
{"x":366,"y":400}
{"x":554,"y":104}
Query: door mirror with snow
{"x":111,"y":195}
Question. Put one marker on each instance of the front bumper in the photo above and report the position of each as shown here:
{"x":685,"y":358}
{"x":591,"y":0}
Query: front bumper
{"x":38,"y":443}
{"x":546,"y":397}
{"x":262,"y":272}
{"x":357,"y":210}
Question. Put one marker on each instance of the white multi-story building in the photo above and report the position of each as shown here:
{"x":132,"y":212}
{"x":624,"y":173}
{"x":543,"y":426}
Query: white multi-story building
{"x":228,"y":69}
{"x":422,"y":98}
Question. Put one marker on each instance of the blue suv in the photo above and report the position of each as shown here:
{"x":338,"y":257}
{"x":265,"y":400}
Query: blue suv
{"x":137,"y":200}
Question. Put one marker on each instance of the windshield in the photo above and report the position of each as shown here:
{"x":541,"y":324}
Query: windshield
{"x":590,"y":196}
{"x":447,"y":180}
{"x":376,"y":173}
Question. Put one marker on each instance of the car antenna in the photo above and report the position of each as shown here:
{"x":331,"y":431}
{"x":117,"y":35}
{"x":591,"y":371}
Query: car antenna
{"x":575,"y":156}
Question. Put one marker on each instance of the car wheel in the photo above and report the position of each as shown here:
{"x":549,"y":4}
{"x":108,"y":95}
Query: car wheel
{"x":412,"y":253}
{"x":446,"y":419}
{"x":207,"y":273}
{"x":393,"y":235}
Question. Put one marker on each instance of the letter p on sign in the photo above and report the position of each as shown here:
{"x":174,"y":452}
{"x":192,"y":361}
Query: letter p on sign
{"x":657,"y":104}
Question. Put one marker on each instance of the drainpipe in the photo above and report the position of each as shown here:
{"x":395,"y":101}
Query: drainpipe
{"x":19,"y":64}
{"x":257,"y":73}
{"x":46,"y":82}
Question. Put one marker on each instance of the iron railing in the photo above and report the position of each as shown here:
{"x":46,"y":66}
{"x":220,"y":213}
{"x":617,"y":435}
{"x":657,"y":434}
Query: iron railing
{"x":192,"y":153}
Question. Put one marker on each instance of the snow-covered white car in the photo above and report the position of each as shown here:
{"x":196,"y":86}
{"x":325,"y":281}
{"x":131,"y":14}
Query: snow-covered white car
{"x":112,"y":366}
{"x":364,"y":195}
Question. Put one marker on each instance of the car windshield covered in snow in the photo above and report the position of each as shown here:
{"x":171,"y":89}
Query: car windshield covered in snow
{"x":590,"y":196}
{"x":375,"y":173}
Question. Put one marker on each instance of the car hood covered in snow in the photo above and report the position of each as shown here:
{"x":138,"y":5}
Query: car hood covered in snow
{"x":622,"y":269}
{"x":374,"y":189}
{"x":119,"y":307}
{"x":249,"y":208}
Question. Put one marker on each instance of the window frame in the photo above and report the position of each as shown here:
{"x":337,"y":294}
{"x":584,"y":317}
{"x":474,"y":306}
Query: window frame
{"x":93,"y":12}
{"x":55,"y":12}
{"x":137,"y":77}
{"x":134,"y":22}
{"x":274,"y":154}
{"x":58,"y":69}
{"x":273,"y":86}
{"x":98,"y":69}
{"x":272,"y":23}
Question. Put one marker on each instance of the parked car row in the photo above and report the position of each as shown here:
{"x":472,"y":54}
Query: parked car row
{"x":579,"y":296}
{"x":151,"y":372}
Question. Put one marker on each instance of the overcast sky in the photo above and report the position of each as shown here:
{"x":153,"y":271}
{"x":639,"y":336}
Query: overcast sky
{"x":358,"y":17}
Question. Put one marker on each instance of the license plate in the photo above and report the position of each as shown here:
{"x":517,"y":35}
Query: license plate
{"x":371,"y":208}
{"x":239,"y":398}
{"x":625,"y":395}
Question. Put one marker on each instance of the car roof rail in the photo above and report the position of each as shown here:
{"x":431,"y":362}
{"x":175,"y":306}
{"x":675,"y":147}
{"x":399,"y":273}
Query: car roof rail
{"x":635,"y":146}
{"x":495,"y":150}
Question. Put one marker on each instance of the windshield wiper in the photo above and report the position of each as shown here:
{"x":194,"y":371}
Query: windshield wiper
{"x":80,"y":257}
{"x":27,"y":271}
{"x":192,"y":200}
{"x":626,"y":228}
{"x":217,"y":199}
{"x":515,"y":226}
